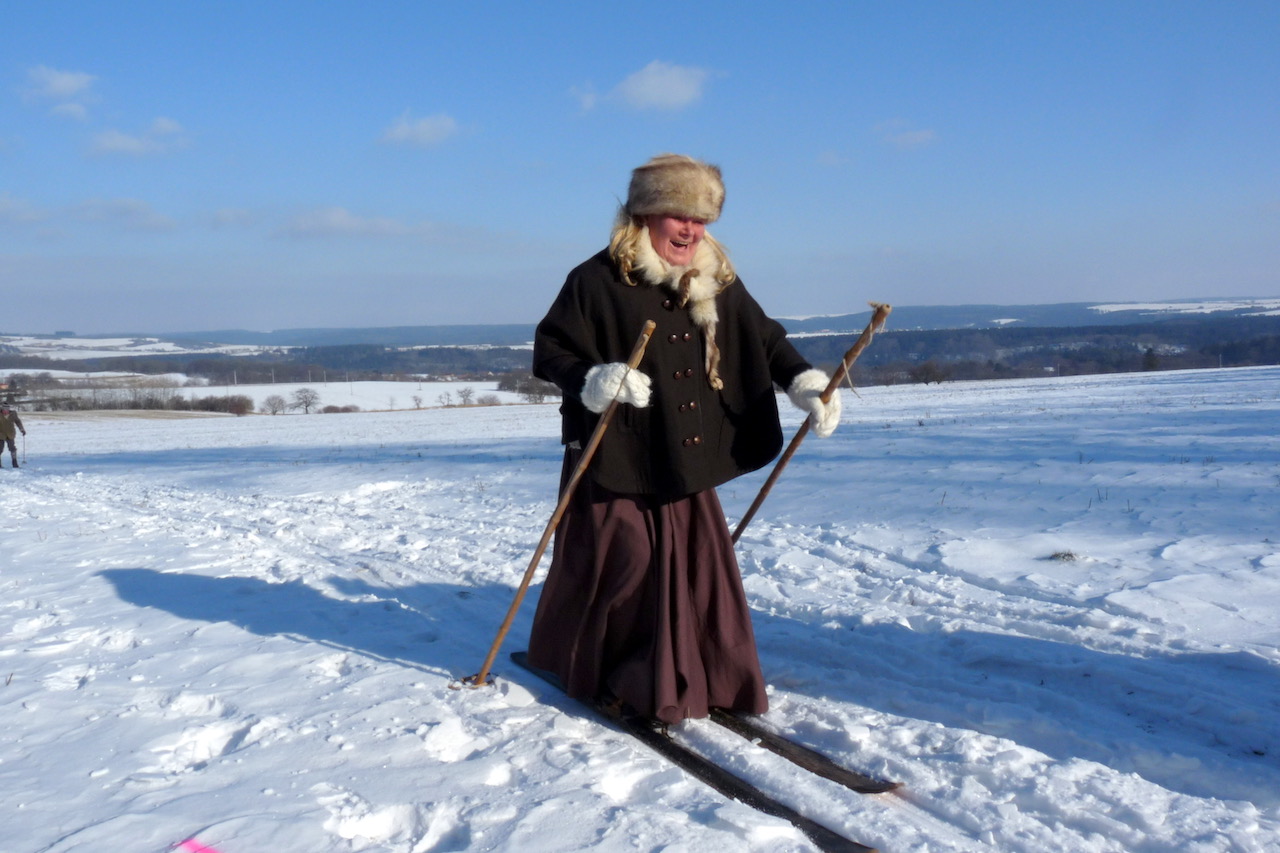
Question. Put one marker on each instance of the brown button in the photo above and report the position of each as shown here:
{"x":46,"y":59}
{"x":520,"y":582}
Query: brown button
{"x":688,"y":442}
{"x":693,"y":404}
{"x":693,"y":441}
{"x":688,"y":337}
{"x":688,"y":371}
{"x":674,"y":338}
{"x":677,"y":375}
{"x":668,"y":304}
{"x":697,"y":439}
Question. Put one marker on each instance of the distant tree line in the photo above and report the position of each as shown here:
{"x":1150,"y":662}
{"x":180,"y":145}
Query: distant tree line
{"x":530,"y":388}
{"x":128,"y":398}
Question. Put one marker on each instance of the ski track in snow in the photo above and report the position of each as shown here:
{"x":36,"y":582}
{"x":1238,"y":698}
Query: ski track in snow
{"x":1047,"y":607}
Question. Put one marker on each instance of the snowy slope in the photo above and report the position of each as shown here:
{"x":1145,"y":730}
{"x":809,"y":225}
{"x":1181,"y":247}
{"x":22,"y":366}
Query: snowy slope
{"x":1051,"y":608}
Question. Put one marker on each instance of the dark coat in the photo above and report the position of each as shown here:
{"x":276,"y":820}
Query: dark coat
{"x":690,"y":437}
{"x":9,"y":425}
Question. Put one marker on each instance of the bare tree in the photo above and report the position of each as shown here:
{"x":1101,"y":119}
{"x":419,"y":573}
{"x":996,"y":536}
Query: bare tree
{"x":275,"y":404}
{"x":530,"y":388}
{"x":928,"y":372}
{"x":466,"y":395}
{"x":305,"y":399}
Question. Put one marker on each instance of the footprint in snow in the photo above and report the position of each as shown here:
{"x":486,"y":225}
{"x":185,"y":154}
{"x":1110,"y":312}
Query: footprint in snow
{"x":196,"y":746}
{"x":332,"y":666}
{"x":69,"y":678}
{"x":354,"y":818}
{"x":448,"y":741}
{"x":32,"y":625}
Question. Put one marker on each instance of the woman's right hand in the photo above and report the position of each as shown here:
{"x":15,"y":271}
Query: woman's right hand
{"x":607,"y":382}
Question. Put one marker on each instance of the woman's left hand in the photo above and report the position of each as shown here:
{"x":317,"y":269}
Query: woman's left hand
{"x":806,"y":394}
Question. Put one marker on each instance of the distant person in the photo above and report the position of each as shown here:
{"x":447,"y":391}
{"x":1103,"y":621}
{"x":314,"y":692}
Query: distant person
{"x":643,"y":609}
{"x":10,"y":426}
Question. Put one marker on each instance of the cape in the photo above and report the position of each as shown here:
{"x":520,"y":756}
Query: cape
{"x":692,"y":436}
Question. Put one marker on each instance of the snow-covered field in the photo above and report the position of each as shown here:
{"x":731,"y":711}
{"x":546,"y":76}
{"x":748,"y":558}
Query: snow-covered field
{"x":1051,"y":608}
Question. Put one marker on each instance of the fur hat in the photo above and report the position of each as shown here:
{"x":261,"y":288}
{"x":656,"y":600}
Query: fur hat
{"x":676,"y":185}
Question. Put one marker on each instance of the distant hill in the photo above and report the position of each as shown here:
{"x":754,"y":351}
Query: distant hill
{"x":906,"y":317}
{"x":920,"y":344}
{"x":1180,"y":333}
{"x":389,"y":336}
{"x":1060,"y":315}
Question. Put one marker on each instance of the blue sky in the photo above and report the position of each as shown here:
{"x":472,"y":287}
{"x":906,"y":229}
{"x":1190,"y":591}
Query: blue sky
{"x":194,"y":166}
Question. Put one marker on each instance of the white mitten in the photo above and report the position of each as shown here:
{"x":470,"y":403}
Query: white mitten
{"x":806,"y":393}
{"x":605,"y":382}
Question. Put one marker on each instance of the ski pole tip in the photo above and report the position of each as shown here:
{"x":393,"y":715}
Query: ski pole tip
{"x":480,"y":679}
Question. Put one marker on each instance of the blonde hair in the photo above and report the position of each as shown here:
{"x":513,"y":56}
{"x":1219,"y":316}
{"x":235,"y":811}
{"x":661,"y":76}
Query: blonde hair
{"x":624,"y":242}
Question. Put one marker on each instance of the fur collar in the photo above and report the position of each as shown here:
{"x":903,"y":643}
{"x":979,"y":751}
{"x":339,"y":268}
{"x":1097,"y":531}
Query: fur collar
{"x":695,"y":285}
{"x":695,"y":288}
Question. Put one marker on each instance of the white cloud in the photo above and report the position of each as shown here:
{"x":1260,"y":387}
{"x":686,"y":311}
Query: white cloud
{"x":662,"y":86}
{"x":423,"y":132}
{"x":164,"y":127}
{"x":69,"y":91}
{"x":129,"y":214}
{"x":585,"y":96}
{"x":115,"y":142}
{"x":339,"y":222}
{"x":79,"y":112}
{"x":53,"y":85}
{"x":335,"y":222}
{"x":15,"y":211}
{"x":232,"y":217}
{"x":901,"y":135}
{"x":161,"y":137}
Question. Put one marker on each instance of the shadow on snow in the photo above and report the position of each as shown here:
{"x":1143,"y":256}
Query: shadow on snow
{"x":1200,"y":724}
{"x":433,"y":627}
{"x":1207,"y":725}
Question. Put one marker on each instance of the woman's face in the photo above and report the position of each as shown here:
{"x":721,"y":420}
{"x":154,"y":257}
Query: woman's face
{"x":675,"y":238}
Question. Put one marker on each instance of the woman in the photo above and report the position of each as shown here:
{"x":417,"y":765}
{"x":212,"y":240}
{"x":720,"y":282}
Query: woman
{"x":643,"y":606}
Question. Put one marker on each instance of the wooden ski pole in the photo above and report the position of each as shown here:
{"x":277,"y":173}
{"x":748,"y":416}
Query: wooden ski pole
{"x":880,"y":313}
{"x":637,"y":353}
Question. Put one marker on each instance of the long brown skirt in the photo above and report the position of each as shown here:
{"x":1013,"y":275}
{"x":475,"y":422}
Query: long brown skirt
{"x":644,"y":601}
